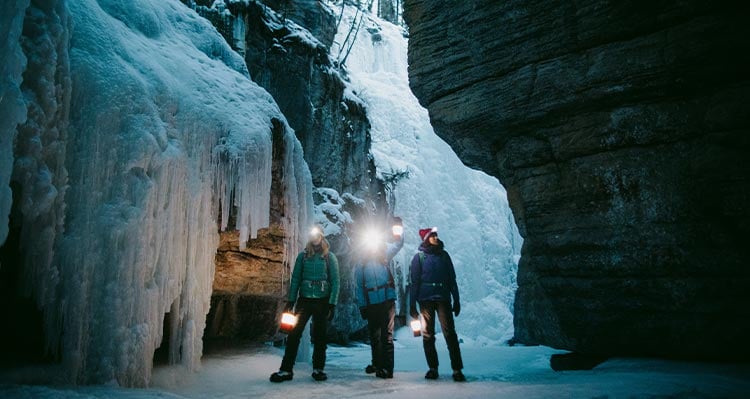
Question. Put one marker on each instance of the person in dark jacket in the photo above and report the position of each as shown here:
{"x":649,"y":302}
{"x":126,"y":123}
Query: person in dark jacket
{"x":433,"y":283}
{"x":376,"y":296}
{"x":314,"y":288}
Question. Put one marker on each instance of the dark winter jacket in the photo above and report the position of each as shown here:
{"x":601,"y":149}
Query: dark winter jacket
{"x":432,"y":275}
{"x":373,"y":280}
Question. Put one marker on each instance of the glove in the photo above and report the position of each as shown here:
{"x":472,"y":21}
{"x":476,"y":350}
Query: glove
{"x":413,"y":311}
{"x":363,"y":312}
{"x":289,"y":308}
{"x":457,"y":308}
{"x":331,"y":311}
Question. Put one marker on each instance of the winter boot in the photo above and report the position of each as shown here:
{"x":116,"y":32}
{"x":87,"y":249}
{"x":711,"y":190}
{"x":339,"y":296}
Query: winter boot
{"x":458,"y":376}
{"x":432,"y":374}
{"x":281,"y":376}
{"x":319,"y":375}
{"x":383,"y":373}
{"x":370,"y":369}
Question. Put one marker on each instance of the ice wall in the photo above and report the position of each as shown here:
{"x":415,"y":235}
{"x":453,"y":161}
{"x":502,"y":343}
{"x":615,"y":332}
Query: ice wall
{"x":12,"y":108}
{"x":469,"y":207}
{"x":157,"y":134}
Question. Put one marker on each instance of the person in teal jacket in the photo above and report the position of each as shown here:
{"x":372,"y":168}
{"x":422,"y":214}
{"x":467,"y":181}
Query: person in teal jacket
{"x":314,"y":289}
{"x":376,"y":296}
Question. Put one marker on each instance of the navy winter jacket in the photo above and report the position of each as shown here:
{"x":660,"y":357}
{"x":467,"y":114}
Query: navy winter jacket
{"x":433,"y":278}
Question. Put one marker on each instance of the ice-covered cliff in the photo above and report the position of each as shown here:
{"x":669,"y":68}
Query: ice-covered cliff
{"x":144,"y":135}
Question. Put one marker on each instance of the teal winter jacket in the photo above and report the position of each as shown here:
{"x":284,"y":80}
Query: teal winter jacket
{"x":312,"y":278}
{"x":373,"y":280}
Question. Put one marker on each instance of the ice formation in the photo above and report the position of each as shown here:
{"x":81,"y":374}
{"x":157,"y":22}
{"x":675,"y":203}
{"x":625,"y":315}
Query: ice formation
{"x":144,"y":132}
{"x":12,"y":107}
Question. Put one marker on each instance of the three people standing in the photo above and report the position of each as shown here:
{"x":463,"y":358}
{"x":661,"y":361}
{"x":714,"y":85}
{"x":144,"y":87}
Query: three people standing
{"x":314,"y":293}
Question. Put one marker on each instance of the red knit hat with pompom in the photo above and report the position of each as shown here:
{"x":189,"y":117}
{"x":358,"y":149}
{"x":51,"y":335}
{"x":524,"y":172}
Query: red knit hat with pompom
{"x":425,"y":233}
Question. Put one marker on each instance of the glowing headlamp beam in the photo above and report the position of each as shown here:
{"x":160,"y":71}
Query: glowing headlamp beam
{"x":372,"y":239}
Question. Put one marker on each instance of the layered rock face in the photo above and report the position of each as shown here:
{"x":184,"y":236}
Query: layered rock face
{"x":247,"y":287}
{"x":620,"y":130}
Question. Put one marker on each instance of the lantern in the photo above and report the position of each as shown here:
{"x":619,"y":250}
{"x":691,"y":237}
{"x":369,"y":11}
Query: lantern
{"x":416,"y":327}
{"x":398,"y":230}
{"x":288,"y":321}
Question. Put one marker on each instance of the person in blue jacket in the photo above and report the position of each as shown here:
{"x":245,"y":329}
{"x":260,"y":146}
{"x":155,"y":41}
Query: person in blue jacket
{"x":433,"y":283}
{"x":314,"y":288}
{"x":376,"y":297}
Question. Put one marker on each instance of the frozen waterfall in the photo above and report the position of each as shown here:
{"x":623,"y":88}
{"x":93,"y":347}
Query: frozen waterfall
{"x":144,"y":132}
{"x":469,"y":207}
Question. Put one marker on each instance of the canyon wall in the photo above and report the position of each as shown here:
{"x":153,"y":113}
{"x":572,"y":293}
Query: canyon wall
{"x":620,"y":130}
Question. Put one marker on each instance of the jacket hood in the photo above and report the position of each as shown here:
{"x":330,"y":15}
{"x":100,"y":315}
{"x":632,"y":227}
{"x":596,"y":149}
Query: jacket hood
{"x":432,"y":249}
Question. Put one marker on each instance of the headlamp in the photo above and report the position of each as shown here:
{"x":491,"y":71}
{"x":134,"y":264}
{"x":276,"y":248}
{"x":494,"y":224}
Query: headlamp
{"x":315,"y":231}
{"x":372,"y":240}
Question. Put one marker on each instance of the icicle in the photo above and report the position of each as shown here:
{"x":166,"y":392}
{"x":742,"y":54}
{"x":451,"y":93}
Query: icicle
{"x":238,"y":35}
{"x":253,"y":191}
{"x":298,"y":199}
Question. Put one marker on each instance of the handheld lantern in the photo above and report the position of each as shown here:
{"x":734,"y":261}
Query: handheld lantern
{"x":416,"y":327}
{"x":398,"y":226}
{"x":288,"y":321}
{"x":398,"y":230}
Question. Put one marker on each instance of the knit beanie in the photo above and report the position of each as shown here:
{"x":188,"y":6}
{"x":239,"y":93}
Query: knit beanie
{"x":425,"y":233}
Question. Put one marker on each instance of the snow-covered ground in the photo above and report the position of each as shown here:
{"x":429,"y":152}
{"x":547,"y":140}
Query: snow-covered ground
{"x":492,"y":372}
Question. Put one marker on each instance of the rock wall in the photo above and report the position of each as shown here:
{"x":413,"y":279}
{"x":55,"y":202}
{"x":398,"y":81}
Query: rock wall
{"x":620,"y":130}
{"x":247,"y":283}
{"x":310,"y":92}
